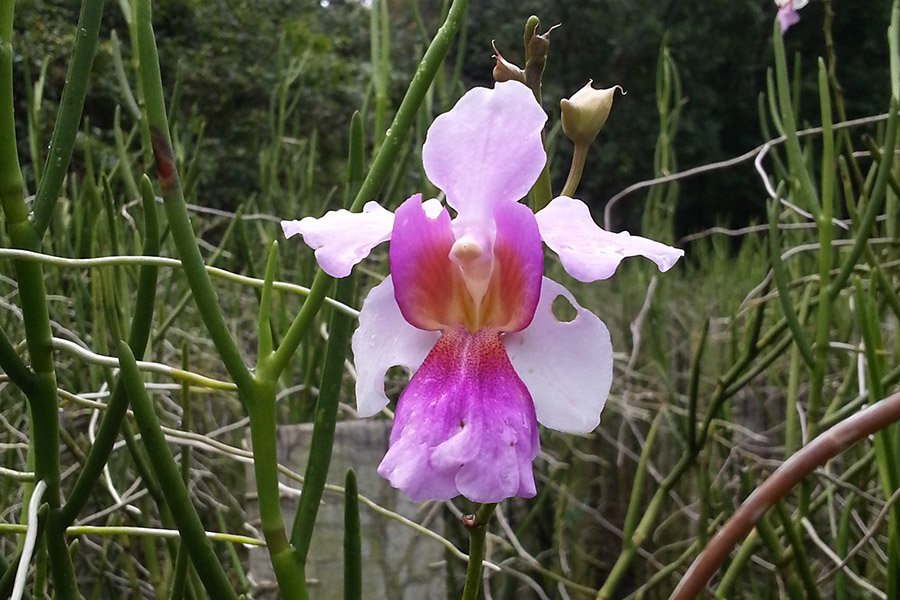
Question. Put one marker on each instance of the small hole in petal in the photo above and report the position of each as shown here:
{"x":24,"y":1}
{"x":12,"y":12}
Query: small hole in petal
{"x":462,"y":423}
{"x":563,"y":310}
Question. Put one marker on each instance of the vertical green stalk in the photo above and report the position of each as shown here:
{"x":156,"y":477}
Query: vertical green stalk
{"x":352,"y":542}
{"x":339,"y":330}
{"x":193,"y":536}
{"x":796,"y":163}
{"x":179,"y":221}
{"x":69,"y":116}
{"x":379,"y":27}
{"x":784,"y":295}
{"x":823,"y":222}
{"x":477,"y":534}
{"x":29,"y":275}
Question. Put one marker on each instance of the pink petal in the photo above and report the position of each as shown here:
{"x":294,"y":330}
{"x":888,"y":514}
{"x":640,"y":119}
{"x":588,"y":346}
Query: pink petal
{"x":589,"y":253}
{"x":341,"y":238}
{"x":428,"y":290}
{"x":487,"y":149}
{"x":383,"y":340}
{"x":465,"y":424}
{"x":787,"y":17}
{"x":436,"y":291}
{"x":567,"y":366}
{"x":518,"y":269}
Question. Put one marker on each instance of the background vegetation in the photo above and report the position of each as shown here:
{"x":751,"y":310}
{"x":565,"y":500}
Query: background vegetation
{"x":759,"y":341}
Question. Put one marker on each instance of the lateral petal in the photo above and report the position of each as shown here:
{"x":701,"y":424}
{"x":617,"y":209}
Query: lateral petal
{"x":383,"y":340}
{"x":567,"y":366}
{"x":465,"y":424}
{"x":341,"y":238}
{"x":428,"y":288}
{"x":589,"y":253}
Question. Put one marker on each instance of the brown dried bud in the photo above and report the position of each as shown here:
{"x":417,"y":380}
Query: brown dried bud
{"x":505,"y":70}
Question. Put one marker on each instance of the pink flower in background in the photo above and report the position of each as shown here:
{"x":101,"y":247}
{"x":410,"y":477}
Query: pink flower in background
{"x":787,"y":12}
{"x":467,"y":309}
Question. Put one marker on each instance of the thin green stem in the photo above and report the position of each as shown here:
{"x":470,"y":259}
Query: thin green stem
{"x":179,"y":221}
{"x":781,"y":282}
{"x":352,"y":542}
{"x":796,"y":164}
{"x":325,"y":420}
{"x":288,"y":570}
{"x":69,"y":116}
{"x":137,"y":340}
{"x":575,"y":170}
{"x":33,"y":295}
{"x":184,"y":513}
{"x":873,"y":206}
{"x":478,"y":527}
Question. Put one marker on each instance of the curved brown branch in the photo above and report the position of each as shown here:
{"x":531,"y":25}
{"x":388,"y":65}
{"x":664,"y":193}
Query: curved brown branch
{"x":816,"y":453}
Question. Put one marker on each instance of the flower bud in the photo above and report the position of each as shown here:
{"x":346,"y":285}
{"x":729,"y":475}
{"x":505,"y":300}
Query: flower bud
{"x":505,"y":70}
{"x":585,"y":113}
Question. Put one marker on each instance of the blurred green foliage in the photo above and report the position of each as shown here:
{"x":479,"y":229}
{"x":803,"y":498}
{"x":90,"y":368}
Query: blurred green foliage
{"x":228,"y":57}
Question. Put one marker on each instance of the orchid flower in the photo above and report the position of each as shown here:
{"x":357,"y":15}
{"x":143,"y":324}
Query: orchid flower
{"x":787,"y":13}
{"x":468,"y":311}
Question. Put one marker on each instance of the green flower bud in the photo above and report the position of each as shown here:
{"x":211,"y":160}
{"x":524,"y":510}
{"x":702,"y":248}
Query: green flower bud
{"x":585,"y":113}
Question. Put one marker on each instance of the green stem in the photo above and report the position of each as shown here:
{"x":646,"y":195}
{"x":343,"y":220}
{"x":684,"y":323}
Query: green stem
{"x":341,"y":326}
{"x":352,"y":543}
{"x":69,"y":116}
{"x":873,"y":207}
{"x":137,"y":340}
{"x":288,"y":571}
{"x":477,"y":535}
{"x":193,"y":536}
{"x":179,"y":221}
{"x":12,"y":365}
{"x":781,"y":282}
{"x":35,"y":313}
{"x":575,"y":170}
{"x":796,"y":164}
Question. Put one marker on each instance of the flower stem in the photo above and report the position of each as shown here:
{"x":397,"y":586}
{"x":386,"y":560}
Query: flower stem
{"x":477,"y":534}
{"x":575,"y":170}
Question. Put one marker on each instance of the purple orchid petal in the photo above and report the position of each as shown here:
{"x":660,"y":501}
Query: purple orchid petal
{"x":426,"y":286}
{"x":465,"y":424}
{"x":487,"y":149}
{"x":447,"y":276}
{"x":518,"y":269}
{"x":567,"y":366}
{"x":589,"y":253}
{"x":341,"y":238}
{"x":383,"y":340}
{"x":787,"y":17}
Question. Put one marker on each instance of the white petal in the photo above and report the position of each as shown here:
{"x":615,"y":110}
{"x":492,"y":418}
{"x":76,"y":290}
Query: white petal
{"x":342,"y":238}
{"x":567,"y":366}
{"x":384,"y":340}
{"x":586,"y":251}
